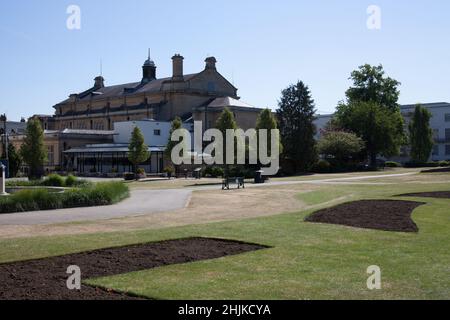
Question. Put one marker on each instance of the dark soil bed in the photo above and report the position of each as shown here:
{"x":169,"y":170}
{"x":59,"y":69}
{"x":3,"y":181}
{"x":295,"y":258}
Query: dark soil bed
{"x":438,"y":170}
{"x":437,"y":194}
{"x":387,"y":215}
{"x":46,"y":278}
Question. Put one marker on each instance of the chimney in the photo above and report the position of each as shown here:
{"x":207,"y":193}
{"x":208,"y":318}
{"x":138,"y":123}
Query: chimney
{"x":177,"y":63}
{"x":99,"y":82}
{"x":210,"y":63}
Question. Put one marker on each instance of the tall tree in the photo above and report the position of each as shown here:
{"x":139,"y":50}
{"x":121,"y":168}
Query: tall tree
{"x":266,"y":120}
{"x":371,"y":84}
{"x":420,"y":135}
{"x":33,"y":151}
{"x":373,"y":99}
{"x":296,"y":113}
{"x":224,"y":122}
{"x":176,"y":124}
{"x":15,"y":161}
{"x":137,"y":150}
{"x":380,"y":128}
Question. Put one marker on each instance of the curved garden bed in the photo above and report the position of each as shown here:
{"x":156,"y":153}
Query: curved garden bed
{"x":387,"y":215}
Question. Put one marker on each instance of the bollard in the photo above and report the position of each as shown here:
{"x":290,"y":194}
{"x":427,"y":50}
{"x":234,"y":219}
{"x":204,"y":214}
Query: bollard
{"x":3,"y":180}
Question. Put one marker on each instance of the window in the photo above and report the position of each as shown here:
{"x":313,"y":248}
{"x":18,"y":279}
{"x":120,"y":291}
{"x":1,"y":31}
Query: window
{"x":436,"y":134}
{"x":447,"y":150}
{"x":447,"y":135}
{"x":435,"y":150}
{"x":157,"y":132}
{"x":50,"y":155}
{"x":447,"y":117}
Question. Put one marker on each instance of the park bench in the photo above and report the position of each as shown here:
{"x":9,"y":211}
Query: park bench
{"x":238,"y":181}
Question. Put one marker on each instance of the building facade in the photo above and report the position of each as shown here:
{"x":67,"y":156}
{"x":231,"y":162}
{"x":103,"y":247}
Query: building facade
{"x":440,"y":123}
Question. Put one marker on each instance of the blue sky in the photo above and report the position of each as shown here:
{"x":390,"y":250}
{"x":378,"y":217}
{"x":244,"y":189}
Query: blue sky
{"x":263,"y":46}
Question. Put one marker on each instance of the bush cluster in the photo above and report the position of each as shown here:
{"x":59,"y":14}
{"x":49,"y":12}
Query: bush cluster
{"x":392,"y":164}
{"x":99,"y":194}
{"x":213,"y":172}
{"x":52,"y":180}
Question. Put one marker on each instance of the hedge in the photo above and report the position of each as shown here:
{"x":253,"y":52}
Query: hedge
{"x":100,"y":194}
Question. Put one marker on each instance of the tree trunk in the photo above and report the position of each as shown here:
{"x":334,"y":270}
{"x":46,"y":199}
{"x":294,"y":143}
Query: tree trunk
{"x":373,"y":160}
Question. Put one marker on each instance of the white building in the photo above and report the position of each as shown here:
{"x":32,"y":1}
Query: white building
{"x":440,"y":123}
{"x":113,"y":157}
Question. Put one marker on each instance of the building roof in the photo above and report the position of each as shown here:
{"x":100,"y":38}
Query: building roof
{"x":109,"y":147}
{"x":426,"y":105}
{"x":124,"y":89}
{"x":228,"y":102}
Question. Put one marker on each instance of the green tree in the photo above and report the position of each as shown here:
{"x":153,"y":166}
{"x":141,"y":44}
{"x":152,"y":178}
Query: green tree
{"x":380,"y":128}
{"x":33,"y":151}
{"x":371,"y":84}
{"x":372,"y":112}
{"x":224,"y":122}
{"x":266,"y":120}
{"x":176,"y":124}
{"x":15,"y":161}
{"x":339,"y":147}
{"x":296,"y":113}
{"x":137,"y":149}
{"x":420,"y":135}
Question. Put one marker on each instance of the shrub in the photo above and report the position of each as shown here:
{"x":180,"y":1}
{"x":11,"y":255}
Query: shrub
{"x":105,"y":193}
{"x":392,"y":164}
{"x":421,"y":165}
{"x":322,"y":166}
{"x":129,"y":176}
{"x":140,"y":171}
{"x":444,"y":163}
{"x":53,"y":180}
{"x":70,"y":181}
{"x":213,"y":172}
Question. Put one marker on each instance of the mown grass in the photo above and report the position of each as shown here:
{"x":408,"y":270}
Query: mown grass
{"x":305,"y":261}
{"x":42,"y":199}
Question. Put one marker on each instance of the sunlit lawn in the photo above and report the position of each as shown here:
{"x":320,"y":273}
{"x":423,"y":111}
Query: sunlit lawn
{"x":305,"y":261}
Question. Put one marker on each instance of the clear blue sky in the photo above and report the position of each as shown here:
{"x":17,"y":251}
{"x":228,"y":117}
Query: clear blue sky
{"x":263,"y":45}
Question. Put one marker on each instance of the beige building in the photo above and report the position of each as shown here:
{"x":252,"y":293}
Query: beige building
{"x":88,"y":117}
{"x":184,"y":95}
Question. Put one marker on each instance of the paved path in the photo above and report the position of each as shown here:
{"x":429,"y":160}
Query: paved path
{"x":139,"y":202}
{"x":146,"y":202}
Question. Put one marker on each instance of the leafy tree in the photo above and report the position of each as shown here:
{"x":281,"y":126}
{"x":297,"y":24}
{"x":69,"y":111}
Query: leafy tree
{"x":380,"y":128}
{"x":372,"y":112}
{"x":33,"y":151}
{"x":224,"y":122}
{"x":371,"y":84}
{"x":420,"y":135}
{"x":266,"y":120}
{"x":15,"y":161}
{"x":176,"y":124}
{"x":339,"y":146}
{"x":295,"y":113}
{"x":137,"y":150}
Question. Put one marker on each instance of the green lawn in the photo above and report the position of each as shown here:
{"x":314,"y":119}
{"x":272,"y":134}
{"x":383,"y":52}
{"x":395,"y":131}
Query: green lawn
{"x":306,"y":261}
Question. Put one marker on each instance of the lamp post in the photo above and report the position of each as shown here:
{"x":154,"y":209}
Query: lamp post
{"x":5,"y":137}
{"x":2,"y":180}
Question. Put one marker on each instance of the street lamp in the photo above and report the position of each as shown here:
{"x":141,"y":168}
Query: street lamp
{"x":5,"y":135}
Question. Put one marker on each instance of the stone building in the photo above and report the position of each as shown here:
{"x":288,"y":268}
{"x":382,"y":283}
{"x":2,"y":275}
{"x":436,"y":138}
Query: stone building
{"x":185,"y":95}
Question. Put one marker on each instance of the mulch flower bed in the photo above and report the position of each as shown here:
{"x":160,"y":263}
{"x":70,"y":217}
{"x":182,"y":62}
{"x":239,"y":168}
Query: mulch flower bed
{"x":438,"y":194}
{"x":46,"y":278}
{"x":387,"y":215}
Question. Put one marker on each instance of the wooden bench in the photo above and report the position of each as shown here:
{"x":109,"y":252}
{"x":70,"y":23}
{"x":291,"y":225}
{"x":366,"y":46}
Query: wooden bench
{"x":238,"y":181}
